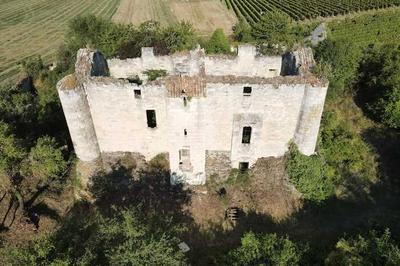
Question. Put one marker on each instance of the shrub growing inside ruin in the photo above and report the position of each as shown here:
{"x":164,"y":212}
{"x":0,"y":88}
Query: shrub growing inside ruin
{"x":153,"y":74}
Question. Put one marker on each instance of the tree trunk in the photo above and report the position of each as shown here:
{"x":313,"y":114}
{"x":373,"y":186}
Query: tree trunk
{"x":10,"y":205}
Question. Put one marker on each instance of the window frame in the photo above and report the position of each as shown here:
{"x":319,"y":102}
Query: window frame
{"x":137,"y":93}
{"x":244,"y":166}
{"x":247,"y":90}
{"x":246,"y":134}
{"x":151,"y":118}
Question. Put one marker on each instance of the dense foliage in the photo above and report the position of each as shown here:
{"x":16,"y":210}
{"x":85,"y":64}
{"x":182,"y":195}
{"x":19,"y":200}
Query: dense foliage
{"x":267,"y":249}
{"x":343,"y":160}
{"x":379,"y":84}
{"x":273,"y":27}
{"x":125,"y":238}
{"x":252,"y":11}
{"x":126,"y":40}
{"x":372,"y":249}
{"x":343,"y":57}
{"x":218,"y":43}
{"x":274,"y":33}
{"x":308,"y":174}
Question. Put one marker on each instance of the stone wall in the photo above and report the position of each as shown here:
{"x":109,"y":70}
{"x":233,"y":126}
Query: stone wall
{"x":195,"y":62}
{"x":78,"y":116}
{"x":105,"y":115}
{"x":218,"y":165}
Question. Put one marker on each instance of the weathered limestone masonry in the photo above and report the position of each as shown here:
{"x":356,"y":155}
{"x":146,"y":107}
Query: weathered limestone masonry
{"x":207,"y":111}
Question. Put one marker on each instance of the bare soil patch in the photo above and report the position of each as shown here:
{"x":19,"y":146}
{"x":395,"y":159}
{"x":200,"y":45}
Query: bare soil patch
{"x":267,"y":191}
{"x":50,"y":208}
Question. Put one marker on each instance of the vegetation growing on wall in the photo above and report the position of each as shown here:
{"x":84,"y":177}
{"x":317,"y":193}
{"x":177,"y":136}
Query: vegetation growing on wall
{"x":153,"y":74}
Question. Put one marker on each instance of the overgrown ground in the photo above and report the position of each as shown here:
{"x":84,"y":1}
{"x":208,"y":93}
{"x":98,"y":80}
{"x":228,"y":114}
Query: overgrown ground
{"x":37,"y":27}
{"x":205,"y":15}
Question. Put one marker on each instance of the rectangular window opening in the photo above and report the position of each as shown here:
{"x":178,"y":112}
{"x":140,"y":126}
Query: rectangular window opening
{"x":246,"y":137}
{"x":247,"y":91}
{"x":138,"y":94}
{"x":151,"y":118}
{"x":243,"y":166}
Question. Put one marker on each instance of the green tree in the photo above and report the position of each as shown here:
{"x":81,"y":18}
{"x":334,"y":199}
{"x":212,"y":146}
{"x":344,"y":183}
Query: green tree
{"x":18,"y":108}
{"x":11,"y":156}
{"x":179,"y":37}
{"x":25,"y":177}
{"x":123,"y":237}
{"x":379,"y":84}
{"x":268,"y":249}
{"x":372,"y":249}
{"x":242,"y":31}
{"x":274,"y":28}
{"x":218,"y":43}
{"x":45,"y":161}
{"x":343,"y":56}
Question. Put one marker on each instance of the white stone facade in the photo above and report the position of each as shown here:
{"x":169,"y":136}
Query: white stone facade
{"x":192,"y":122}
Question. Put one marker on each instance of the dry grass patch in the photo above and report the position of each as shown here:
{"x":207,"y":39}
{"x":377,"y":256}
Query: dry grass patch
{"x":205,"y":15}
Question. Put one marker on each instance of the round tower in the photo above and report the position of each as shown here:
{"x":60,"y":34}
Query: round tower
{"x":77,"y":114}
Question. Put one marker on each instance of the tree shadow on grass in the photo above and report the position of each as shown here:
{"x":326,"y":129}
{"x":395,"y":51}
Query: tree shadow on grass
{"x":319,"y":225}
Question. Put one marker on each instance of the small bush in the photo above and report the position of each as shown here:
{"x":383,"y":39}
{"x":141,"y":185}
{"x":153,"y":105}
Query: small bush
{"x":238,"y":177}
{"x":308,"y":175}
{"x":33,"y":66}
{"x":153,"y":74}
{"x":268,"y":249}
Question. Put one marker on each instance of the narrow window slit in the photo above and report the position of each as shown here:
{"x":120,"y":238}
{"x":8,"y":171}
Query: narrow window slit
{"x":246,"y":136}
{"x":151,"y":118}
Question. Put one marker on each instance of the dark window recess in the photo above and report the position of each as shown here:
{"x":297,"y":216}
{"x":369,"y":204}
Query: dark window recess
{"x":135,"y":80}
{"x":272,"y":70}
{"x":246,"y":135}
{"x":185,"y":132}
{"x":138,"y":94}
{"x":247,"y":91}
{"x":151,"y":118}
{"x":243,"y":166}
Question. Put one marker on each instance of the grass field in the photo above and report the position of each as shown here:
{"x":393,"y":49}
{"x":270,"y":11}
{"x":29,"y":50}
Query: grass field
{"x":37,"y":27}
{"x":205,"y":15}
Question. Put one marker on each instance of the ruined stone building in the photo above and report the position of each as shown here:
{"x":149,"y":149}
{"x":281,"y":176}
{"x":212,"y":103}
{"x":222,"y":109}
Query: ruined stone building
{"x":209,"y":113}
